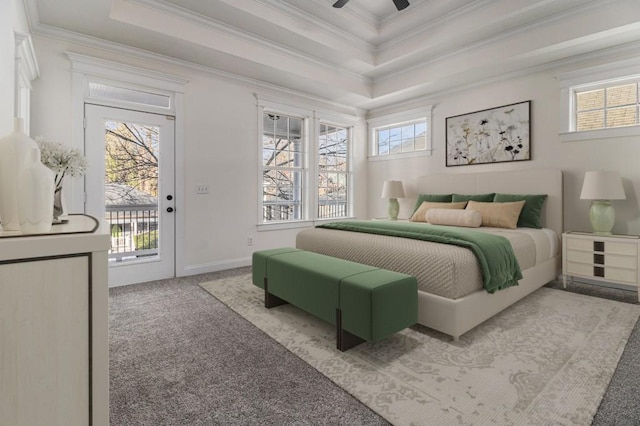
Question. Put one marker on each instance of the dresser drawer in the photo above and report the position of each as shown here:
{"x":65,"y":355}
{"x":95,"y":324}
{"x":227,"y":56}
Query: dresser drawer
{"x":612,"y":247}
{"x":620,"y":261}
{"x":604,"y":272}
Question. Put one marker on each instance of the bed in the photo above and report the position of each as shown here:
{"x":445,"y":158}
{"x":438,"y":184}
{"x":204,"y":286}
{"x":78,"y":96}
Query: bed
{"x":451,"y":298}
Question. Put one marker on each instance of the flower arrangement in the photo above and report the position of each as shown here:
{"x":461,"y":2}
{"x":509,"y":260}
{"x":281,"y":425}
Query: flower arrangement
{"x":62,"y":159}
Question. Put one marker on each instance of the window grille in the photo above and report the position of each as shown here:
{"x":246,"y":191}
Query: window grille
{"x":333,"y":171}
{"x":282,"y":168}
{"x":606,"y":106}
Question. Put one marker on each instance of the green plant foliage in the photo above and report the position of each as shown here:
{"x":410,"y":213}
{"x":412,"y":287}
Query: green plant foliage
{"x":146,"y":240}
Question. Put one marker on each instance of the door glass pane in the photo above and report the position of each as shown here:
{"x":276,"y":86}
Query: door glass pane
{"x":131,"y":190}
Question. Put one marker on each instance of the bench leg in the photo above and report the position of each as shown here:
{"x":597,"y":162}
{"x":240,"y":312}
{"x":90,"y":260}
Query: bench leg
{"x":271,"y":301}
{"x":344,"y":339}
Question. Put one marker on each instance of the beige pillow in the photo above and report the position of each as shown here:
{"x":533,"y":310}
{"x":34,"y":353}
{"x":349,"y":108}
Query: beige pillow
{"x":421,"y":214}
{"x":498,"y":215}
{"x":466,"y":218}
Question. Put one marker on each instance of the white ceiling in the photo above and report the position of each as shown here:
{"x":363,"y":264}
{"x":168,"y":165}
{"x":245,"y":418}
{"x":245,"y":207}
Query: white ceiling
{"x":366,"y":54}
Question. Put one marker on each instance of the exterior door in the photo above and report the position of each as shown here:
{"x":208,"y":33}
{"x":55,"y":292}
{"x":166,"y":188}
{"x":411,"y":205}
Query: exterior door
{"x":130,"y":186}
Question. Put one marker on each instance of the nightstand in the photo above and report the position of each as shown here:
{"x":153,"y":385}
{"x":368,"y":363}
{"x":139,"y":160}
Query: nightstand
{"x":605,"y":258}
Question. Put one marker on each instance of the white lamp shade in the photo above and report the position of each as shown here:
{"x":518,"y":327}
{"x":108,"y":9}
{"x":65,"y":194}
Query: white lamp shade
{"x":392,"y":189}
{"x":602,"y":185}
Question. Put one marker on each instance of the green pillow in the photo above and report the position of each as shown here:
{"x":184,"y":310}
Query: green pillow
{"x":483,"y":198}
{"x":432,"y":198}
{"x":532,"y":210}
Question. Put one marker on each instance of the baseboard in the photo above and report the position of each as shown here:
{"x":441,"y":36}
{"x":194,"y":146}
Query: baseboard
{"x":214,"y":266}
{"x":618,"y":286}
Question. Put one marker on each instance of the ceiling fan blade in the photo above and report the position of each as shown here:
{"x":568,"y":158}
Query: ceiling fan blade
{"x":400,"y":4}
{"x":341,"y":3}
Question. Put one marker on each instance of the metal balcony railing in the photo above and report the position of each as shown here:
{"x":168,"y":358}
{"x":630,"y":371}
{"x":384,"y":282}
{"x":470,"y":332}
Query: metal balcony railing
{"x":283,"y":212}
{"x":134,"y":231}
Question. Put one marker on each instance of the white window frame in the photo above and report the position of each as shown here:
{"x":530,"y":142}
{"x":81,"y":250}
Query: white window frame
{"x":86,"y":68}
{"x":592,"y":78}
{"x":398,"y":119}
{"x":312,"y":118}
{"x":348,"y":172}
{"x":303,"y":169}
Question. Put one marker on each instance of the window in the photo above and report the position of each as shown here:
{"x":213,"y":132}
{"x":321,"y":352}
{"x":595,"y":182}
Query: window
{"x":282,"y":167}
{"x":605,"y":107}
{"x":333,"y":171}
{"x":600,"y":102}
{"x":305,"y":159}
{"x":402,"y":134}
{"x":406,"y":137}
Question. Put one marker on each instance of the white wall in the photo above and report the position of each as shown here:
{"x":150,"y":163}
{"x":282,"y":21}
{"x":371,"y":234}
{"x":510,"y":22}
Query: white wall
{"x":7,"y":66}
{"x":12,"y":18}
{"x":220,"y":149}
{"x":574,"y":158}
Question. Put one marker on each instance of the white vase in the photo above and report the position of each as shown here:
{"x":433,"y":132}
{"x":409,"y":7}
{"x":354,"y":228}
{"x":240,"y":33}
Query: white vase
{"x":14,"y":154}
{"x":35,"y":196}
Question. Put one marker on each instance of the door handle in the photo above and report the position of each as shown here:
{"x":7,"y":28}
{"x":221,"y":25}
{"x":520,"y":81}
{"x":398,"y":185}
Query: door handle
{"x":169,"y":209}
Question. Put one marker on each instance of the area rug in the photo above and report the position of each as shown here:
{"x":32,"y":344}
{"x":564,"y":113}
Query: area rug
{"x":545,"y":360}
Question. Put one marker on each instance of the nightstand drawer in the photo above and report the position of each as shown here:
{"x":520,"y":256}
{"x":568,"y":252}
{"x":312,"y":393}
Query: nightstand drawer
{"x":594,"y":271}
{"x":613,"y":247}
{"x":606,"y":259}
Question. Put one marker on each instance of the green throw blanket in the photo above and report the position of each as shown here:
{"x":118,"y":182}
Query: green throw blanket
{"x":500,"y":268}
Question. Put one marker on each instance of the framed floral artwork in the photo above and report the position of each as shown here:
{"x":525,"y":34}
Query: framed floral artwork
{"x":494,"y":135}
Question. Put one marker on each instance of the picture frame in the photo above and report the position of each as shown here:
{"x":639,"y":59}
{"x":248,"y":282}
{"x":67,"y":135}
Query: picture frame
{"x":494,"y":135}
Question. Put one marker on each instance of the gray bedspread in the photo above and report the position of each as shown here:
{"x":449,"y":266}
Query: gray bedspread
{"x":441,"y":269}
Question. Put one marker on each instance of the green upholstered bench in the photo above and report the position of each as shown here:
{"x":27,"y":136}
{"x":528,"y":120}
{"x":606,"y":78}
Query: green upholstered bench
{"x":364,"y":302}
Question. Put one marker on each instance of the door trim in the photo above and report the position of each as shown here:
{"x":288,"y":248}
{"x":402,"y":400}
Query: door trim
{"x":85,"y":69}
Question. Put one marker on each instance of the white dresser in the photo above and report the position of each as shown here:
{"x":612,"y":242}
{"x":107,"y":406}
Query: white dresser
{"x":54,"y":352}
{"x":604,"y":258}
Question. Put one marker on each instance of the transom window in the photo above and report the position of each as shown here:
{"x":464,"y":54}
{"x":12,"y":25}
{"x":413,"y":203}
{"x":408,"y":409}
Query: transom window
{"x":600,"y":102}
{"x":406,"y":133}
{"x":606,"y":107}
{"x":403,"y":137}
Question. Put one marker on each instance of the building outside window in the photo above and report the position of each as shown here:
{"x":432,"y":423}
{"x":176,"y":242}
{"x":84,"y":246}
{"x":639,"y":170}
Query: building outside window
{"x":600,"y":102}
{"x":614,"y":105}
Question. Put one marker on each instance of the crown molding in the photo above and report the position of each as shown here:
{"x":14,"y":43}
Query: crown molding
{"x":386,"y":20}
{"x":360,"y":13}
{"x":163,"y":60}
{"x":326,"y":28}
{"x":428,"y":24}
{"x":505,"y":35}
{"x":228,"y":30}
{"x":606,"y":55}
{"x":31,"y":11}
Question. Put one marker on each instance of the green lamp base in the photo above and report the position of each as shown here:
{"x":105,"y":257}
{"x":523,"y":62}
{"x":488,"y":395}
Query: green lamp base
{"x":393,"y":209}
{"x":602,"y":216}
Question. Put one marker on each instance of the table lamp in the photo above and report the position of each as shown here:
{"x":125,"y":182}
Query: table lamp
{"x":601,"y":187}
{"x":392,"y":189}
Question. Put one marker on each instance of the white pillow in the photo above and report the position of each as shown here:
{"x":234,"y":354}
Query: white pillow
{"x":466,"y":218}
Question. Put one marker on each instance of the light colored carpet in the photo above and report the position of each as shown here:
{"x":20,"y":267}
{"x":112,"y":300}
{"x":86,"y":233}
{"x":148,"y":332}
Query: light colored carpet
{"x":546,"y":360}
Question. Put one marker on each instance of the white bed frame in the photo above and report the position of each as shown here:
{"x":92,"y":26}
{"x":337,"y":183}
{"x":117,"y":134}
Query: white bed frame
{"x":456,"y":317}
